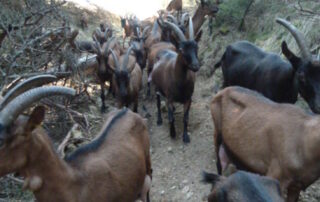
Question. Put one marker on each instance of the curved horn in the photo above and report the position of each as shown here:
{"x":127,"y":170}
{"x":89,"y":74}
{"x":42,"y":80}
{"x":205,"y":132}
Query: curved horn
{"x":25,"y":100}
{"x":145,"y":31}
{"x":126,"y":58}
{"x":26,"y":85}
{"x":191,"y":34}
{"x":108,"y":45}
{"x":173,"y":19}
{"x":298,"y":36}
{"x":177,"y":30}
{"x":115,"y":59}
{"x":106,"y":33}
{"x":183,"y":18}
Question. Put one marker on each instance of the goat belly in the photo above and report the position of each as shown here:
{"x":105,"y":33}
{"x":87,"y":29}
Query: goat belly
{"x":182,"y":94}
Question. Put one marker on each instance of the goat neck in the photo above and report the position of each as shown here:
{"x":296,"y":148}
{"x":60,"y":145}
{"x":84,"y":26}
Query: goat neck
{"x":45,"y":173}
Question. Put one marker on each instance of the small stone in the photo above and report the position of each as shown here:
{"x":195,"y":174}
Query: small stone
{"x":185,"y":181}
{"x":170,"y":150}
{"x":189,"y":195}
{"x":162,"y":192}
{"x":173,"y":187}
{"x":185,"y":189}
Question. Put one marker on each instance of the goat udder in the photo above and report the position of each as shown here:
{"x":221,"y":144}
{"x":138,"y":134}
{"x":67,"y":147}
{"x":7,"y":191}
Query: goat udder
{"x":146,"y":188}
{"x":223,"y":158}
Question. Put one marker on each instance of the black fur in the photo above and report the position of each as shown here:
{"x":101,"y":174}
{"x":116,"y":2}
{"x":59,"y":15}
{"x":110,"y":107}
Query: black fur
{"x":244,"y":64}
{"x":95,"y":144}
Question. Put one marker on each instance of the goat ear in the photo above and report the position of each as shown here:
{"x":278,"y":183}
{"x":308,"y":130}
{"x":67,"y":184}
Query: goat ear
{"x":35,"y":118}
{"x":198,"y":37}
{"x":294,"y":60}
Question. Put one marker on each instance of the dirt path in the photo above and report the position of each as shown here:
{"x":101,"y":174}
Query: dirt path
{"x":177,"y":167}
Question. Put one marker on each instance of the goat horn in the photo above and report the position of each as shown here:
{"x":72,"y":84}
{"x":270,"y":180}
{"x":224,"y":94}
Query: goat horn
{"x":177,"y":30}
{"x":115,"y":59}
{"x":126,"y":58}
{"x":183,"y":18}
{"x":97,"y":47}
{"x":108,"y":45}
{"x":173,"y":19}
{"x":191,"y":34}
{"x":106,"y":33}
{"x":26,"y":85}
{"x":25,"y":100}
{"x":145,"y":31}
{"x":298,"y":36}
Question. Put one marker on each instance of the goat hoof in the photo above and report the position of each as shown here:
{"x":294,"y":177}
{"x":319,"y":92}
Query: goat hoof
{"x":172,"y":133}
{"x":159,"y":122}
{"x":186,"y":138}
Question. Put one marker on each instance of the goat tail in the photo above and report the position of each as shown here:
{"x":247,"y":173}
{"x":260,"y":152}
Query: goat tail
{"x":211,"y":178}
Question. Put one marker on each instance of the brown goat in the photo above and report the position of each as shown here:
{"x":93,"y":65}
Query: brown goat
{"x":152,"y":56}
{"x":84,"y":21}
{"x":115,"y":166}
{"x":243,"y":187}
{"x":130,"y":27}
{"x":139,"y":49}
{"x":127,"y":79}
{"x":102,"y":36}
{"x":261,"y":136}
{"x":174,"y":77}
{"x":175,"y":5}
{"x":205,"y":8}
{"x":105,"y":61}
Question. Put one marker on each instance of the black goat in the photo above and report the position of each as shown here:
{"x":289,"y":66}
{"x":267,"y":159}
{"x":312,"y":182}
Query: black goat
{"x":246,"y":65}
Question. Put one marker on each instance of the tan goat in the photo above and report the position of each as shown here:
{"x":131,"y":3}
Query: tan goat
{"x":114,"y":167}
{"x":127,"y":79}
{"x":261,"y":136}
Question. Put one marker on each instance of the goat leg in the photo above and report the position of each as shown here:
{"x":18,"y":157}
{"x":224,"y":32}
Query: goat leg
{"x":148,"y":90}
{"x":171,"y":119}
{"x":159,"y":121}
{"x":186,"y":108}
{"x":103,"y":106}
{"x":293,"y":193}
{"x":135,"y":106}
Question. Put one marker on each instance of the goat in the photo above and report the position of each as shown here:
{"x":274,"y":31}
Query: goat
{"x":84,"y":21}
{"x":102,"y":36}
{"x":127,"y":79}
{"x":138,"y":44}
{"x":261,"y":136}
{"x":174,"y":77}
{"x":105,"y":61}
{"x":152,"y":56}
{"x":242,"y":187}
{"x":244,"y":64}
{"x":130,"y":27}
{"x":175,"y":5}
{"x":115,"y":166}
{"x":205,"y":8}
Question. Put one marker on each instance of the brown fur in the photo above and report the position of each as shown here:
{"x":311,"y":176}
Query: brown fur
{"x":175,"y":5}
{"x":116,"y":171}
{"x":154,"y":50}
{"x":134,"y":86}
{"x":277,"y":140}
{"x":104,"y":73}
{"x":204,"y":9}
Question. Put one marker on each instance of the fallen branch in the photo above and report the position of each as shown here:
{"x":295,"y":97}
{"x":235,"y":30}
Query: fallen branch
{"x":65,"y":141}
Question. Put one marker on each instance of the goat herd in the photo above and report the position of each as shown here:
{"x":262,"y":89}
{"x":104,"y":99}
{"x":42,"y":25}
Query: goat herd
{"x":252,"y":131}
